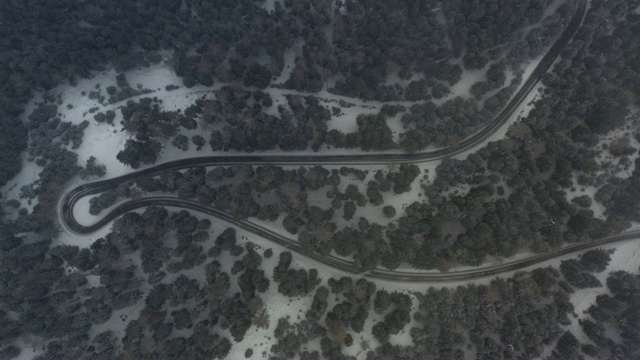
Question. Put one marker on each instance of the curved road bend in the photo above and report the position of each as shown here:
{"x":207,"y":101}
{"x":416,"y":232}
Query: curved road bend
{"x":83,"y":190}
{"x":361,"y":159}
{"x":348,"y":266}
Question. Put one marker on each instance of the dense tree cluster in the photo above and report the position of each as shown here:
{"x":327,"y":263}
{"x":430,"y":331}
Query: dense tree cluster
{"x":266,"y":192}
{"x":247,"y":127}
{"x":477,"y":30}
{"x":516,"y":194}
{"x":495,"y":79}
{"x":396,"y":308}
{"x":142,"y":150}
{"x":507,"y":318}
{"x":518,"y":186}
{"x":40,"y":55}
{"x":227,"y":48}
{"x":524,"y":313}
{"x":578,"y":273}
{"x":232,"y":55}
{"x":105,"y":117}
{"x":180,"y":315}
{"x":92,"y":169}
{"x":147,"y":122}
{"x":576,"y":276}
{"x":621,"y":196}
{"x":534,"y":215}
{"x":63,"y":305}
{"x":252,"y":279}
{"x":102,"y":201}
{"x":293,"y":282}
{"x":445,"y":125}
{"x":144,"y":118}
{"x":618,"y":312}
{"x":236,"y":119}
{"x":374,"y":133}
{"x":14,"y":139}
{"x":422,"y":39}
{"x":47,"y":130}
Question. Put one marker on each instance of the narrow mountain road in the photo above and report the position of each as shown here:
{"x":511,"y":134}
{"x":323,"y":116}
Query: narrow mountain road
{"x":72,"y":197}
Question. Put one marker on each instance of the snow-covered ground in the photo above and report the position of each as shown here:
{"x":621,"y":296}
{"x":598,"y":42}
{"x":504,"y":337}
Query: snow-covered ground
{"x":103,"y":141}
{"x":269,"y":5}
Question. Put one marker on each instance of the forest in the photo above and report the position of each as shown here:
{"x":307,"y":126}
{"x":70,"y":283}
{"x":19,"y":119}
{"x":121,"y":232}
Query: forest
{"x":200,"y":287}
{"x":186,"y":313}
{"x":68,"y":40}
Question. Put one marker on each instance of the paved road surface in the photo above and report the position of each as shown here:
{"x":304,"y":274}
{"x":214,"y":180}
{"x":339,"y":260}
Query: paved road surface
{"x":83,"y":190}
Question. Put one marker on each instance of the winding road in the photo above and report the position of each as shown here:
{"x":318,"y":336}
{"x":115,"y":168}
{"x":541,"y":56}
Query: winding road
{"x":71,"y":197}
